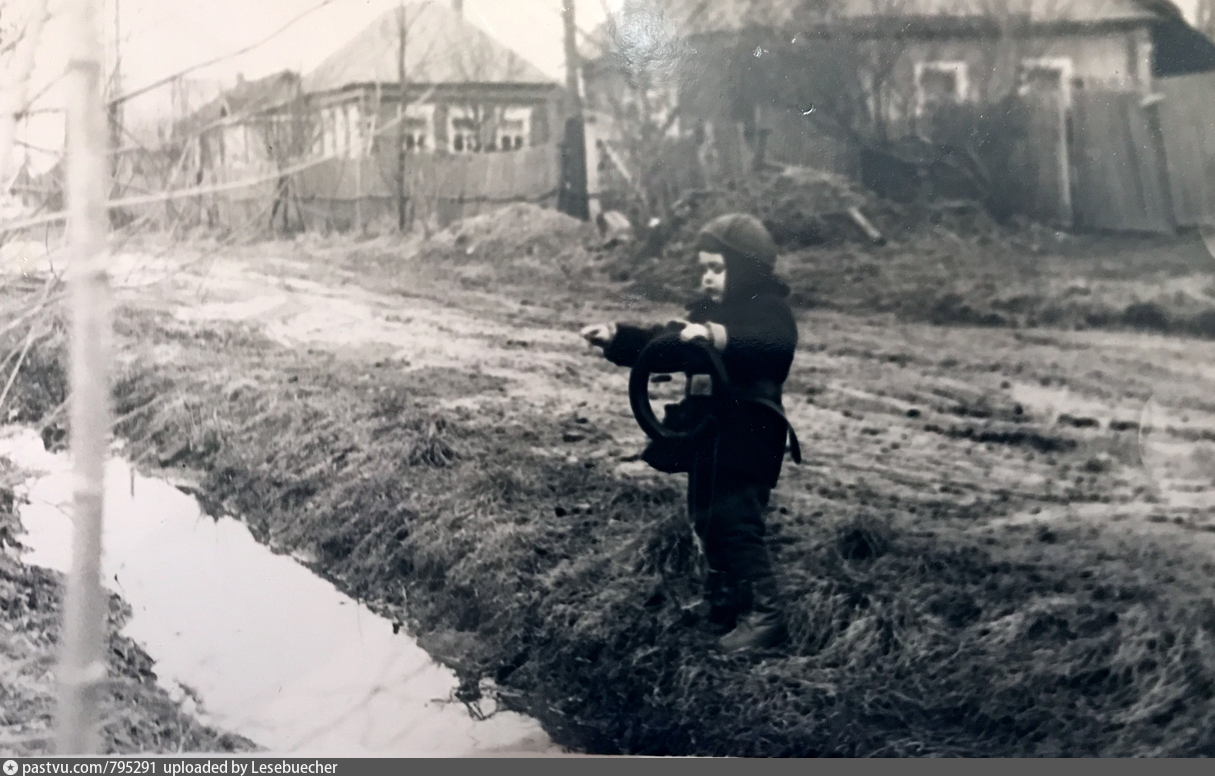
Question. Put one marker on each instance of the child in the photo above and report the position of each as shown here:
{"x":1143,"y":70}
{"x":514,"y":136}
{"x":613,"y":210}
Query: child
{"x":743,"y":316}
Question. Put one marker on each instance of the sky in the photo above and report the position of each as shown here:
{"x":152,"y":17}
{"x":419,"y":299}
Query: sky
{"x":160,"y":36}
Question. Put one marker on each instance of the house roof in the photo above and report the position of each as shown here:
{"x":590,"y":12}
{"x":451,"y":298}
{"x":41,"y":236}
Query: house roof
{"x":247,"y":97}
{"x":1036,"y":11}
{"x":441,"y":47}
{"x":697,"y":17}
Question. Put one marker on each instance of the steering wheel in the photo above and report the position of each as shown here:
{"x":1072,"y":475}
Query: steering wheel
{"x":667,"y":354}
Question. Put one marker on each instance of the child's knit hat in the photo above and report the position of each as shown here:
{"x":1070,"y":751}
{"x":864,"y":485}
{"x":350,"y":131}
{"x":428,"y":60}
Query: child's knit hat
{"x":740,"y":234}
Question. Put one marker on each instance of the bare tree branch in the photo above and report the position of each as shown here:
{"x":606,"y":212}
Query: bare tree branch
{"x":13,"y":97}
{"x":216,"y":60}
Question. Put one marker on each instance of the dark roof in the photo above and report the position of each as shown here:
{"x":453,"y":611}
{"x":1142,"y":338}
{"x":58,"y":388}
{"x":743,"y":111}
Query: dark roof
{"x":697,"y":17}
{"x":1178,"y":47}
{"x":247,"y":98}
{"x":441,"y":47}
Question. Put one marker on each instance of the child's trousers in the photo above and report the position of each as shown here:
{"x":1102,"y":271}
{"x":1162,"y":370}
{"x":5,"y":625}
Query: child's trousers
{"x":727,"y":515}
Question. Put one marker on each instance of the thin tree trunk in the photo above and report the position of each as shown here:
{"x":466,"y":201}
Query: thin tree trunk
{"x":359,"y":123}
{"x":401,"y":85}
{"x":83,"y":664}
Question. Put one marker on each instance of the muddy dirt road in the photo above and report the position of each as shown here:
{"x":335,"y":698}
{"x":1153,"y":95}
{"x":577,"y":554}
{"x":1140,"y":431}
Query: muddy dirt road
{"x":917,"y":411}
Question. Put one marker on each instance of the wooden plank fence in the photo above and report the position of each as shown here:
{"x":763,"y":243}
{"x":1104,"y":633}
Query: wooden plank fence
{"x":1120,"y":184}
{"x":1187,"y":120}
{"x":338,"y":193}
{"x":1022,"y":144}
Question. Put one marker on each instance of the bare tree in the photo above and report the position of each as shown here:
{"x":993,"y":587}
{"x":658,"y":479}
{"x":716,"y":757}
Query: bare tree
{"x":635,"y":85}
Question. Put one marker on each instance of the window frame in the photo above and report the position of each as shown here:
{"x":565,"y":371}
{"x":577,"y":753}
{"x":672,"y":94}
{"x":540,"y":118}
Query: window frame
{"x":957,"y":67}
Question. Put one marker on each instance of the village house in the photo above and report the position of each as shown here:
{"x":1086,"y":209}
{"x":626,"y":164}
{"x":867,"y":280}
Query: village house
{"x":1104,"y":90}
{"x":464,"y":91}
{"x":479,"y":124}
{"x":237,"y":129}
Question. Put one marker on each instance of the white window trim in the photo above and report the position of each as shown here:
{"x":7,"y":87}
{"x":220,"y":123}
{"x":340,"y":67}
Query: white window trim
{"x":517,"y":113}
{"x":426,"y":112}
{"x":959,"y":70}
{"x":455,"y":113}
{"x":1062,"y":65}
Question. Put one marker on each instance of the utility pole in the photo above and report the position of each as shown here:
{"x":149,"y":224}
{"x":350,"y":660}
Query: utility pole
{"x":572,"y":196}
{"x":402,"y":32}
{"x":82,"y":665}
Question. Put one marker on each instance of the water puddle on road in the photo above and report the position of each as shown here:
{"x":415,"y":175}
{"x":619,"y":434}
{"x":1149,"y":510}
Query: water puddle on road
{"x":272,"y":651}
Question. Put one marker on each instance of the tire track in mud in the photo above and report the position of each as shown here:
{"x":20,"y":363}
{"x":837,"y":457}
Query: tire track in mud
{"x":982,"y":415}
{"x":918,"y":417}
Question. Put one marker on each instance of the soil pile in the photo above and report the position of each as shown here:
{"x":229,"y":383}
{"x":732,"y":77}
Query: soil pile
{"x":519,"y":243}
{"x":805,"y":210}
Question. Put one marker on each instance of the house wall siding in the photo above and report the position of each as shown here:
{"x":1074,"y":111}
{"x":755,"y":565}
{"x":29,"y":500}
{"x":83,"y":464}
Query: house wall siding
{"x":1113,"y":58}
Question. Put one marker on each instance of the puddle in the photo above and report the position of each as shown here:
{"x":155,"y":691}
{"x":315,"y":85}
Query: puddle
{"x":271,"y":651}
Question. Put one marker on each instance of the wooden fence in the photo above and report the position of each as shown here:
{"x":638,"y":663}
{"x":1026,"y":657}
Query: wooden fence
{"x":799,"y":140}
{"x":1187,"y":121}
{"x":340,"y":194}
{"x":1108,"y":162}
{"x":1021,"y":143}
{"x":1111,"y":161}
{"x":1120,"y":180}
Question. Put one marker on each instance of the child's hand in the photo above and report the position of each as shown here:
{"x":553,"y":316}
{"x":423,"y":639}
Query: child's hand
{"x":600,"y":335}
{"x":694,"y":332}
{"x":713,"y":334}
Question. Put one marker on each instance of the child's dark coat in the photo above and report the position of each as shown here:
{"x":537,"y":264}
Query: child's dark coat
{"x":729,"y":485}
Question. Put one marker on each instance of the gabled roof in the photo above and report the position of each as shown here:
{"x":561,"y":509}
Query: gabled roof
{"x":441,"y":47}
{"x":698,"y":17}
{"x":1035,"y":11}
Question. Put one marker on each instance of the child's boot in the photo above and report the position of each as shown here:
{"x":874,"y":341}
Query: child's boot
{"x":763,"y":626}
{"x":723,"y":602}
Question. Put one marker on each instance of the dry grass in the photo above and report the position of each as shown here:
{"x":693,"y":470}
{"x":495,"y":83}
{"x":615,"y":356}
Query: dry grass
{"x":565,"y":585}
{"x":919,"y":625}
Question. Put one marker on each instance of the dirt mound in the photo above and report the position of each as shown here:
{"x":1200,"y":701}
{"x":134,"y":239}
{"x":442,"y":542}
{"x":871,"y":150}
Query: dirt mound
{"x":520,"y":235}
{"x":804,"y":209}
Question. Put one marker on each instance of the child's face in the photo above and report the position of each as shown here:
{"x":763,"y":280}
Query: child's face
{"x":713,"y":281}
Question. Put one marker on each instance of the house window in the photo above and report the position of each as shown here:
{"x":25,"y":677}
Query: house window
{"x":514,"y":128}
{"x":342,"y":135}
{"x":355,"y":132}
{"x":416,"y":131}
{"x":235,"y":145}
{"x":1053,"y":75}
{"x":329,"y":132}
{"x":939,"y":83}
{"x":419,"y":127}
{"x":463,"y":131}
